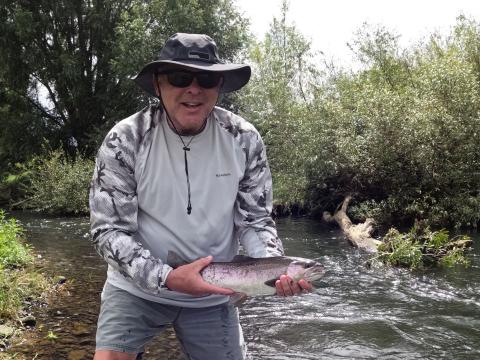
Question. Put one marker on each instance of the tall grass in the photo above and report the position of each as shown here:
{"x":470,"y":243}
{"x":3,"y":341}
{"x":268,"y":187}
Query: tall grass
{"x":18,"y":279}
{"x":13,"y":253}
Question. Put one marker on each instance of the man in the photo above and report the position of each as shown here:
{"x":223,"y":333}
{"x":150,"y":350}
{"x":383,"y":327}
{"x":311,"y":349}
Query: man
{"x":181,"y":176}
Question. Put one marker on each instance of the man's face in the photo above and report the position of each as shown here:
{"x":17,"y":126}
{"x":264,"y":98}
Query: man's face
{"x":187,"y":106}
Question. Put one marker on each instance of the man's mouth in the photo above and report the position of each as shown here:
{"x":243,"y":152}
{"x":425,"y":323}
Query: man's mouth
{"x":191,"y":105}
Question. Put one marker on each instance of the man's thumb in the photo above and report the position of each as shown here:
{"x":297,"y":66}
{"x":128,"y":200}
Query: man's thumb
{"x":201,"y":263}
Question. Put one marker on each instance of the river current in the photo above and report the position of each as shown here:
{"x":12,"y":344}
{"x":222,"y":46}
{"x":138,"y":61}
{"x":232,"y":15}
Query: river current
{"x":356,"y":311}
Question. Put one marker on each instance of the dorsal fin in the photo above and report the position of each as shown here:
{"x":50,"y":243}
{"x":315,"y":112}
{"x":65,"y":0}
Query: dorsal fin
{"x":174,"y":260}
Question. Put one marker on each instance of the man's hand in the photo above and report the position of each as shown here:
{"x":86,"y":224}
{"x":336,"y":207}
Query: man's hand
{"x":187,"y":279}
{"x":287,"y":287}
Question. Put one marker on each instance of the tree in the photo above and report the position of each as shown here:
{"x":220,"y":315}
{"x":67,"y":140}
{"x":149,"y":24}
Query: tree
{"x":403,"y":131}
{"x":68,"y":62}
{"x":278,"y":101}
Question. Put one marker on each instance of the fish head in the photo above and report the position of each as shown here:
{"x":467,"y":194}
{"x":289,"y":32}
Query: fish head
{"x":307,"y":269}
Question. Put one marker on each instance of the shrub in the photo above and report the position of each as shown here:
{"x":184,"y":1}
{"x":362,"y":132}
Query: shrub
{"x":59,"y":185}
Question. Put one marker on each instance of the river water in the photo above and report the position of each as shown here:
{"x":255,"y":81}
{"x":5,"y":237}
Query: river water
{"x":356,"y":312}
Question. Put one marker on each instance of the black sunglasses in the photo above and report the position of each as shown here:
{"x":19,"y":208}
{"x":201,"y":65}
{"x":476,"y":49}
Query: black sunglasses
{"x":184,"y":78}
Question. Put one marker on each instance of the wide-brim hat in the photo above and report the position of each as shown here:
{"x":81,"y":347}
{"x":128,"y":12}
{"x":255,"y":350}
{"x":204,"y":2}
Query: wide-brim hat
{"x":194,"y":51}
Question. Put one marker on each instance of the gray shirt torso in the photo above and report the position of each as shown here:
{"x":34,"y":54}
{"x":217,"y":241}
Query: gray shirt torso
{"x":138,"y":200}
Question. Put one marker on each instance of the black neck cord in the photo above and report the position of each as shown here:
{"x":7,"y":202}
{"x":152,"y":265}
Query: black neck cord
{"x":185,"y":149}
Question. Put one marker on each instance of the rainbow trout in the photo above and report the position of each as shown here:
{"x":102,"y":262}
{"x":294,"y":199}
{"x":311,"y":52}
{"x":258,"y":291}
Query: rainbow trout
{"x":255,"y":276}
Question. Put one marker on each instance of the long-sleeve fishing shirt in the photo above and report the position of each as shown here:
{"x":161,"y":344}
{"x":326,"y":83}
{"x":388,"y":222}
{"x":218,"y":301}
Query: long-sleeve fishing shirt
{"x":139,"y":196}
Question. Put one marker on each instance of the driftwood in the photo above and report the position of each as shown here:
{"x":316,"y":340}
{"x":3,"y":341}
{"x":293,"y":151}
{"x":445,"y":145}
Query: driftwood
{"x":359,"y":235}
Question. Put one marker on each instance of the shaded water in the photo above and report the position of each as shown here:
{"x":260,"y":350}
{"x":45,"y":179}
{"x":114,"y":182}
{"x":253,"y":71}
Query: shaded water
{"x":356,"y":313}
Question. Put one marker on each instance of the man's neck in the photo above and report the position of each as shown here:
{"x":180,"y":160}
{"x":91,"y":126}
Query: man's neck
{"x":185,"y":132}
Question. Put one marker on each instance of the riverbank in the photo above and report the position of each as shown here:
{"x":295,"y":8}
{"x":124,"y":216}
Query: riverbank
{"x":23,"y":284}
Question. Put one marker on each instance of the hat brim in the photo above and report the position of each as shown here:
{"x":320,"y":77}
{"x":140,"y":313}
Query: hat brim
{"x":235,"y":76}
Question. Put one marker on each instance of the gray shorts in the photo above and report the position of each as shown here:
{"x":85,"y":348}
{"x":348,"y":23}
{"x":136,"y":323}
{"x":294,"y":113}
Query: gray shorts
{"x":126,"y":323}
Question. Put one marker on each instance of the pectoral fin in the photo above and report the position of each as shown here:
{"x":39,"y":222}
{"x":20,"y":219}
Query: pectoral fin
{"x":271,"y":282}
{"x":237,"y":299}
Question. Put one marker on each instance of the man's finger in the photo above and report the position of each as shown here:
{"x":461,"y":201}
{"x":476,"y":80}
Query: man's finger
{"x":278,"y":286}
{"x":296,"y":289}
{"x":305,"y":285}
{"x":285,"y":282}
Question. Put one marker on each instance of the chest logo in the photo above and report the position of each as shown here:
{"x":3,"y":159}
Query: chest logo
{"x":223,"y":174}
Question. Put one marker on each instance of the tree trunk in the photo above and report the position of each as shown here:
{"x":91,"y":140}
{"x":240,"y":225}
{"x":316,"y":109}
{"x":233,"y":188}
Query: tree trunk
{"x":358,"y":235}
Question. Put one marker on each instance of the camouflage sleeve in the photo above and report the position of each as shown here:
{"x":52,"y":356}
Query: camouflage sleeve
{"x":255,"y":227}
{"x":113,"y":212}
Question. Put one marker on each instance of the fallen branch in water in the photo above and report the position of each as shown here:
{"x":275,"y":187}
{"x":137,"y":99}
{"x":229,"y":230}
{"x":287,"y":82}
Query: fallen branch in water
{"x":359,"y":235}
{"x":418,"y":248}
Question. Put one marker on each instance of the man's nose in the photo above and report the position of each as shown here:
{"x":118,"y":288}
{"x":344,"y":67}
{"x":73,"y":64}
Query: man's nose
{"x":194,"y":88}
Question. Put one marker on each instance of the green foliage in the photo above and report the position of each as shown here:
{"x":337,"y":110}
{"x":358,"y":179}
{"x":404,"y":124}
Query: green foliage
{"x":12,"y":252}
{"x":454,"y":257}
{"x":59,"y":185}
{"x":398,"y":250}
{"x":14,"y":184}
{"x":16,"y":286}
{"x":402,"y":133}
{"x":21,"y":133}
{"x":17,"y":280}
{"x":65,"y":66}
{"x":421,"y":247}
{"x":277,"y":102}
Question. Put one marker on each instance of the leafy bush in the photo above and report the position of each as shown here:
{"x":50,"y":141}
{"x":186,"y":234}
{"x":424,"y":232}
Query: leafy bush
{"x":59,"y":185}
{"x":421,"y":247}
